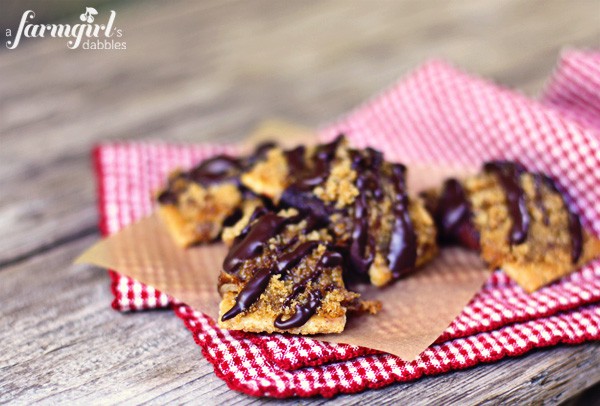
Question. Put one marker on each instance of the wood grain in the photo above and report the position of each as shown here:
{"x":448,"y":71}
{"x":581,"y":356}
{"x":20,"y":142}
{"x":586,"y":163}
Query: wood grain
{"x":209,"y":71}
{"x":62,"y":343}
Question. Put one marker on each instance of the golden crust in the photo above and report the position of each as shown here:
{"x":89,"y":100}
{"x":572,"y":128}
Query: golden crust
{"x":248,"y":207}
{"x":427,"y":249}
{"x":183,"y":235}
{"x":200,"y":212}
{"x":425,"y":231}
{"x":278,"y":298}
{"x":534,"y":275}
{"x":379,"y":272}
{"x":268,"y":177}
{"x":263,"y":322}
{"x":192,"y":220}
{"x":545,"y":255}
{"x":339,"y":187}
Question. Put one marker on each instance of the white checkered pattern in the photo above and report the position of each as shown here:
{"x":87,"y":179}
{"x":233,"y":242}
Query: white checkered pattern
{"x":435,"y":115}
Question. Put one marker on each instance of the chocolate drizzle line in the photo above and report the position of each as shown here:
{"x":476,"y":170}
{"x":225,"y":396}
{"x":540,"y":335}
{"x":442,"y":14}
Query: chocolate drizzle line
{"x":304,"y":311}
{"x":259,"y":282}
{"x":255,"y":287}
{"x":361,"y":248}
{"x":538,"y":180}
{"x":306,"y":202}
{"x":295,"y":160}
{"x":250,"y":293}
{"x":307,"y":178}
{"x":402,"y":249}
{"x":402,"y":255}
{"x":299,"y":194}
{"x":215,"y":170}
{"x":360,"y":259}
{"x":168,"y":196}
{"x":576,"y":236}
{"x":454,"y":216}
{"x":330,"y":259}
{"x":575,"y":230}
{"x":362,"y":245}
{"x":250,"y":244}
{"x":508,"y":174}
{"x":289,"y":260}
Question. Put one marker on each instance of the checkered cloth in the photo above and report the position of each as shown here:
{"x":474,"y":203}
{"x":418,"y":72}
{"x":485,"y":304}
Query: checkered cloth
{"x":435,"y":115}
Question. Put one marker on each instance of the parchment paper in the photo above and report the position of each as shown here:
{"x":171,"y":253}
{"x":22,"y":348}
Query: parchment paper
{"x":416,"y":309}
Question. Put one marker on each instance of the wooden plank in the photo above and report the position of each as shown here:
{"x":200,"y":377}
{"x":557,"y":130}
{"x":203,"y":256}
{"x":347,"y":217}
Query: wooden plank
{"x":194,"y":73}
{"x":63,"y":343}
{"x":208,"y":71}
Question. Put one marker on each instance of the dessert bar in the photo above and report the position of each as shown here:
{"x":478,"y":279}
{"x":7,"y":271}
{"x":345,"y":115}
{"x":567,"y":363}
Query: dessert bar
{"x":283,"y":274}
{"x":196,"y":204}
{"x":303,"y":225}
{"x":518,"y":220}
{"x":359,"y":197}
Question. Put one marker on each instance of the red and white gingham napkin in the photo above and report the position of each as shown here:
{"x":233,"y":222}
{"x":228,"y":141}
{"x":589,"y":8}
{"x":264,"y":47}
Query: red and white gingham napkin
{"x":435,"y":115}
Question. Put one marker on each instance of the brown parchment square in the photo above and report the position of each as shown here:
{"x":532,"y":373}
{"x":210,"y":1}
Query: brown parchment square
{"x":416,"y":309}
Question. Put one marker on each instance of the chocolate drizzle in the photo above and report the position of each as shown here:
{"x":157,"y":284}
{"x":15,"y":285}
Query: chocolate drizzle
{"x":315,"y":176}
{"x":304,"y":179}
{"x":362,"y":245}
{"x":575,"y":230}
{"x":289,"y":260}
{"x":221,"y":168}
{"x":304,"y":311}
{"x":250,"y":293}
{"x":402,"y":249}
{"x":539,"y":180}
{"x":260,"y":152}
{"x":454,"y":217}
{"x":307,"y":178}
{"x":508,"y":174}
{"x":256,"y":285}
{"x":576,"y":236}
{"x":453,"y":213}
{"x":250,"y":244}
{"x":402,"y":255}
{"x":215,"y":170}
{"x":369,"y":172}
{"x":168,"y":196}
{"x":360,"y":259}
{"x":306,"y":202}
{"x":330,"y":259}
{"x":295,"y":160}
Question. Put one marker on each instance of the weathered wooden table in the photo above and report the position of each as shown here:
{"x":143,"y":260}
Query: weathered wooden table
{"x":206,"y":71}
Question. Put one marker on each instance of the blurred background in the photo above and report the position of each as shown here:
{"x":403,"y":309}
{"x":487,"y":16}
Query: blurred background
{"x":211,"y":70}
{"x":200,"y":71}
{"x":197,"y":70}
